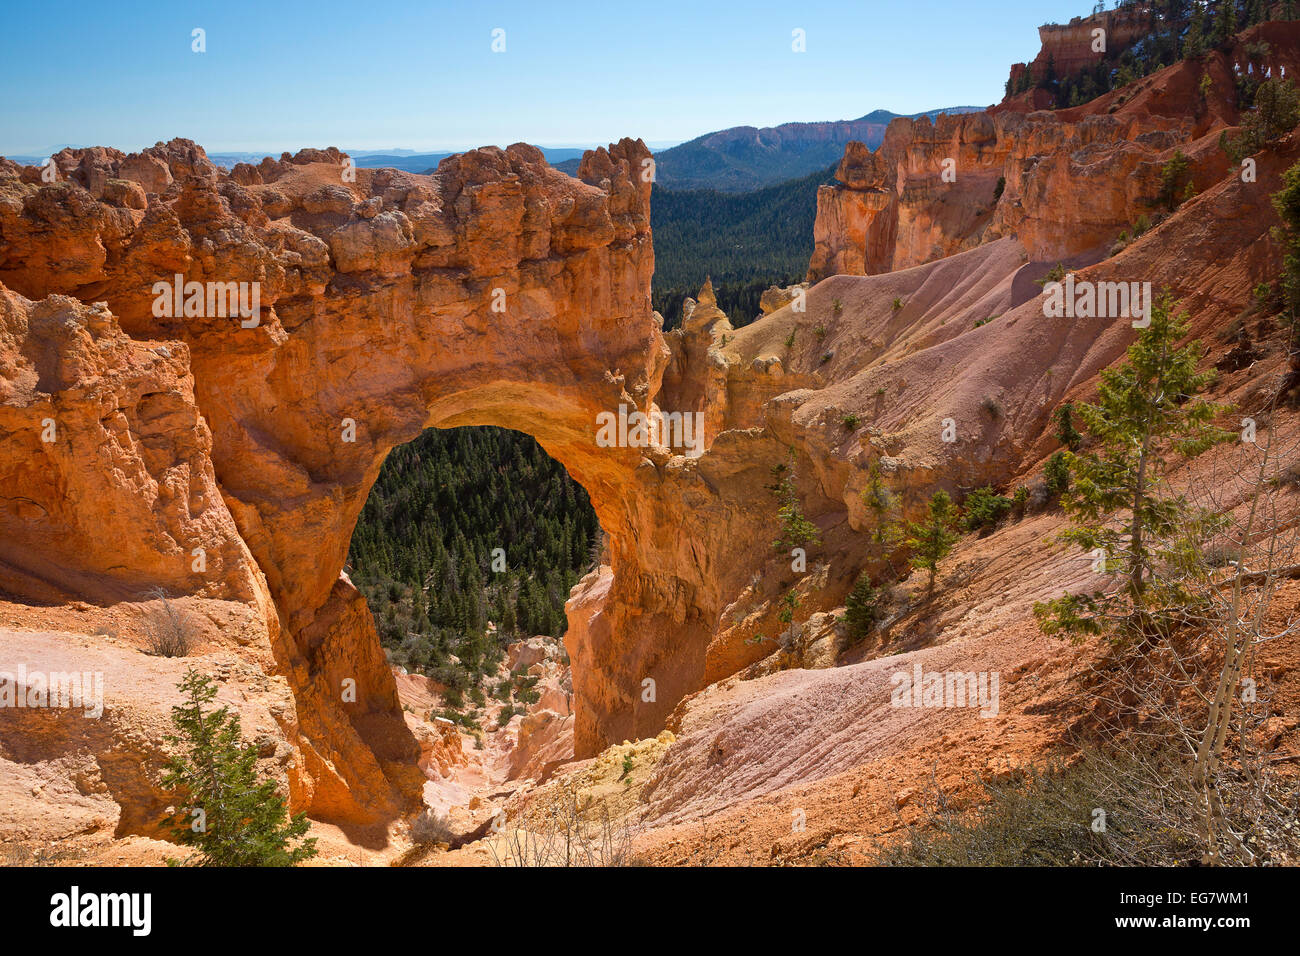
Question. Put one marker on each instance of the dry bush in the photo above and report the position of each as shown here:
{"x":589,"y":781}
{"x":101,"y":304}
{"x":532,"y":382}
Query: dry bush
{"x":431,"y":828}
{"x":574,"y":831}
{"x":168,"y":629}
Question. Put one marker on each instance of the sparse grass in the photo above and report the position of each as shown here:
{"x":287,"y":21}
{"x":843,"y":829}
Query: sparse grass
{"x":898,"y":305}
{"x":850,"y":422}
{"x":431,"y":828}
{"x":574,"y":830}
{"x":1111,"y":807}
{"x":1054,"y":274}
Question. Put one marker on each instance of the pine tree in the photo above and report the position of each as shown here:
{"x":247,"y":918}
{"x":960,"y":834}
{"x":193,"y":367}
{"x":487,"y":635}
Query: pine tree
{"x":226,"y":813}
{"x":1066,"y":433}
{"x":860,"y":607}
{"x":796,"y":530}
{"x":1194,"y":42}
{"x":1225,"y":26}
{"x":1144,"y":404}
{"x":881,"y":501}
{"x":932,"y":540}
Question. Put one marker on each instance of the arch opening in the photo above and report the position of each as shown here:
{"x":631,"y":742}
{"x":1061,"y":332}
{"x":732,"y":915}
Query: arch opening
{"x":470,"y":541}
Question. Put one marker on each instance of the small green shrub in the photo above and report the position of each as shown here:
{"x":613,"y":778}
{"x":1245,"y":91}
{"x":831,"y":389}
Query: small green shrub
{"x":1057,"y":474}
{"x":1066,"y":433}
{"x":1054,"y":274}
{"x":984,"y":509}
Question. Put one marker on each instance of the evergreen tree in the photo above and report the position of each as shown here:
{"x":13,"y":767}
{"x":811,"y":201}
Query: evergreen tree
{"x":860,"y":607}
{"x":881,"y":502}
{"x":1225,"y":24}
{"x":1194,"y":42}
{"x":932,"y":540}
{"x":1066,"y":433}
{"x":1286,"y":201}
{"x":1144,"y":404}
{"x":225,"y":812}
{"x":796,"y":530}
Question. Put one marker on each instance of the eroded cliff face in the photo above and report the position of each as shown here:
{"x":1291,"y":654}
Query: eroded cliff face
{"x":498,"y":291}
{"x":935,"y":189}
{"x":931,"y":191}
{"x":502,"y":292}
{"x":1068,"y":48}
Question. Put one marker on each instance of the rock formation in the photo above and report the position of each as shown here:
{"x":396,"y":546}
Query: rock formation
{"x":498,"y":291}
{"x":1068,"y":48}
{"x":934,"y":189}
{"x":157,"y":436}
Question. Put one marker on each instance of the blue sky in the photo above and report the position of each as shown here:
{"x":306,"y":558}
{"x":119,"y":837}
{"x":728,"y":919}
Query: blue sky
{"x":376,"y":74}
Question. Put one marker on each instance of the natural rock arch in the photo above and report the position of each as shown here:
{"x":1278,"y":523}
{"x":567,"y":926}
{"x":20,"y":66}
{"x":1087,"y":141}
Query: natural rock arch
{"x":377,"y":295}
{"x":497,"y":291}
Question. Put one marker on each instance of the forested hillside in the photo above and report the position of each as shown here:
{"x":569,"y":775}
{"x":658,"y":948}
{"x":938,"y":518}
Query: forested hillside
{"x":422,"y":551}
{"x":744,"y":241}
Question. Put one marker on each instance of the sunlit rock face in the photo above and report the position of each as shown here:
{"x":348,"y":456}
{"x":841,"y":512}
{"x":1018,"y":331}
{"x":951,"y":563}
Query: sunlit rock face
{"x":1063,"y":182}
{"x":226,"y":452}
{"x":248,"y":421}
{"x":495,"y":291}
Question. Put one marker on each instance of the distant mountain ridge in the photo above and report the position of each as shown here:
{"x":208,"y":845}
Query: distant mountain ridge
{"x":744,"y":158}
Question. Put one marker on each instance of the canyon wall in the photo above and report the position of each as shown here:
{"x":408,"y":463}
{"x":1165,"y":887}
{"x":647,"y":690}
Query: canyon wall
{"x":1068,"y":48}
{"x":498,"y":291}
{"x":149,"y":446}
{"x":933,"y":189}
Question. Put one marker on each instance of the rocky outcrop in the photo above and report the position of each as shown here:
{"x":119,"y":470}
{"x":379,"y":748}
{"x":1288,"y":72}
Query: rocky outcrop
{"x":935,"y":189}
{"x":1069,"y":48}
{"x":387,"y":305}
{"x":931,"y":191}
{"x":106,"y":483}
{"x":498,"y":291}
